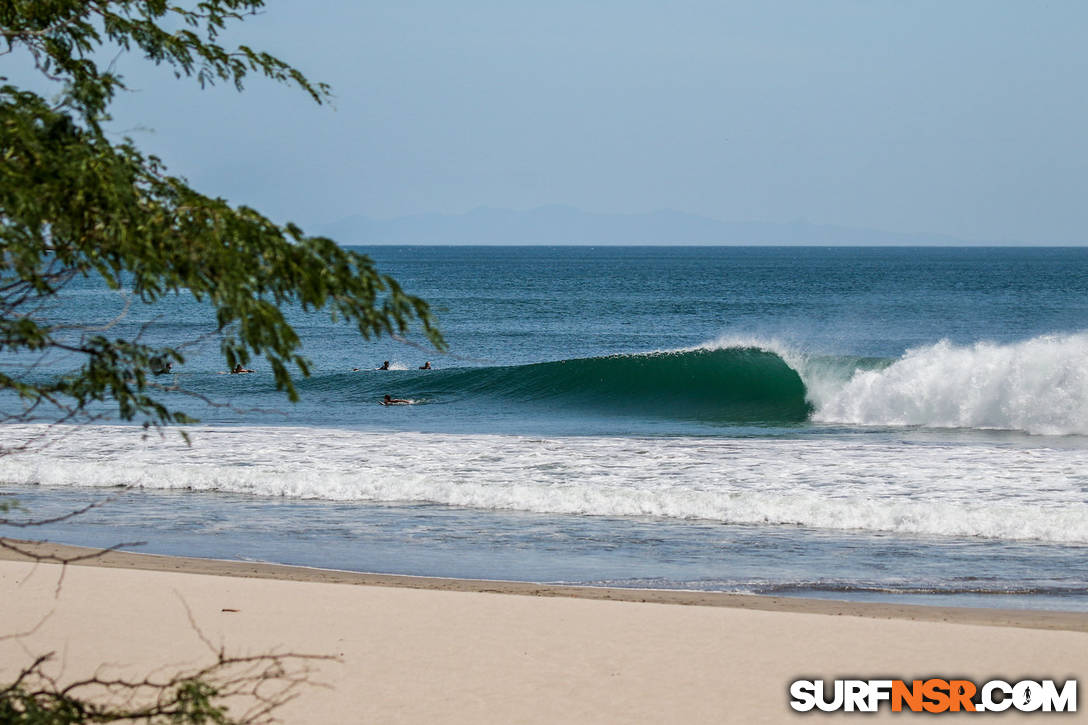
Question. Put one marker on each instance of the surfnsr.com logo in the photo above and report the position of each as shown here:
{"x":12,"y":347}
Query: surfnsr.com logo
{"x":933,"y":695}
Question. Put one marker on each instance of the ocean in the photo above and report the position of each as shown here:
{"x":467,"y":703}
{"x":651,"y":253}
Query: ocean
{"x":892,"y":424}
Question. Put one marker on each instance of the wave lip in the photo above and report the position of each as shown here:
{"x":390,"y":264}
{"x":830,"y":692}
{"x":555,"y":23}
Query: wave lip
{"x":1038,"y":386}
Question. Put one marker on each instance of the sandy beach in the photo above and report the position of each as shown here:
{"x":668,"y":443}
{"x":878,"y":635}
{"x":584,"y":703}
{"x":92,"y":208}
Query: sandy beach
{"x":414,"y":650}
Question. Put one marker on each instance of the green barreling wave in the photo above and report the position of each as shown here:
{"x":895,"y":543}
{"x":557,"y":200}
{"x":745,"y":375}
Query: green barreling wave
{"x":736,"y":384}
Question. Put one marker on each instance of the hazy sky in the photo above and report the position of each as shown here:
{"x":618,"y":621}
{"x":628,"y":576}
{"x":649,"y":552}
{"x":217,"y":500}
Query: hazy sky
{"x":954,"y":117}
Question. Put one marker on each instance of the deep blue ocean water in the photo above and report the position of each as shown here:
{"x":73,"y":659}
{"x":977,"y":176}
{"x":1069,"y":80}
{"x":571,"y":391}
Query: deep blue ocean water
{"x":903,"y":423}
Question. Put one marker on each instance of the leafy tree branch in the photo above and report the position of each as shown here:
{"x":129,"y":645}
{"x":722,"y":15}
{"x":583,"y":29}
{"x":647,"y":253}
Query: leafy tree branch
{"x":74,"y":204}
{"x":77,"y":205}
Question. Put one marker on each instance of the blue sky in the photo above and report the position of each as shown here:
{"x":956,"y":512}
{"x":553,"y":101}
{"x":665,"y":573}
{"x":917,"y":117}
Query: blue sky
{"x":957,"y":117}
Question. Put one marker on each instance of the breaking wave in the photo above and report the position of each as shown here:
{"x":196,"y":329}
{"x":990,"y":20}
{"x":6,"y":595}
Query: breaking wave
{"x":743,"y":384}
{"x":1038,"y":386}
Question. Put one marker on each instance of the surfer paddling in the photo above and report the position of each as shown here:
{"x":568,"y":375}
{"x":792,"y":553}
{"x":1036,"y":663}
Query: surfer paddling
{"x":395,"y":401}
{"x":426,"y":366}
{"x":238,"y":370}
{"x":385,"y":365}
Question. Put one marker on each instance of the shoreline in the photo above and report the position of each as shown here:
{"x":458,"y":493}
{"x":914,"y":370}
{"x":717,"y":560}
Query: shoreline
{"x":118,"y":559}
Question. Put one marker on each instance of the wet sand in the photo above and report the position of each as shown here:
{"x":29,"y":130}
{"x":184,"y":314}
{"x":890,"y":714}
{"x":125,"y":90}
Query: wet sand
{"x":417,"y":649}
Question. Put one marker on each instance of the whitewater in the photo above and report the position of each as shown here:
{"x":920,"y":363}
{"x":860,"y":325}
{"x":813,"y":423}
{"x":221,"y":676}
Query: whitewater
{"x":1037,"y":386}
{"x":953,"y":490}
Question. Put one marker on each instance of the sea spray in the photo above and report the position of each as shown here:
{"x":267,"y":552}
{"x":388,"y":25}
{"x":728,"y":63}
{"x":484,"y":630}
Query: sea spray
{"x":1037,"y":386}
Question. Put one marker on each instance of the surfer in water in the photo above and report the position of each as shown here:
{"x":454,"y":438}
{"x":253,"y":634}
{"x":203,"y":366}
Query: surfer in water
{"x":160,"y":366}
{"x":426,"y":366}
{"x":238,"y":370}
{"x":395,"y":401}
{"x":385,"y":365}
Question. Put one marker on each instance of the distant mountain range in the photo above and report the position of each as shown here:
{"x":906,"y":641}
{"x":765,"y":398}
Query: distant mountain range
{"x":567,"y":225}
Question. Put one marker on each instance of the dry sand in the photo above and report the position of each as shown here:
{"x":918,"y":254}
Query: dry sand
{"x":418,"y":650}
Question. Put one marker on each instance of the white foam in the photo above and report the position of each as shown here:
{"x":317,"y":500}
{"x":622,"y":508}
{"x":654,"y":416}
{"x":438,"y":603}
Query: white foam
{"x":1038,"y":386}
{"x":834,"y":483}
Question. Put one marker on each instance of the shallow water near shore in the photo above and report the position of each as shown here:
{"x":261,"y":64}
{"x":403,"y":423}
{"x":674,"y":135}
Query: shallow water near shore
{"x":868,"y":424}
{"x":643,"y":552}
